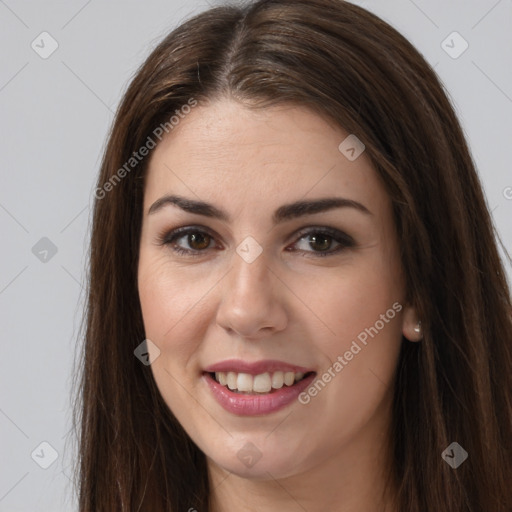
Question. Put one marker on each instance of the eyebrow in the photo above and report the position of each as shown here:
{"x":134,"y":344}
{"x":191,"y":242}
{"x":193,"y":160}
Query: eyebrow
{"x":283,"y":213}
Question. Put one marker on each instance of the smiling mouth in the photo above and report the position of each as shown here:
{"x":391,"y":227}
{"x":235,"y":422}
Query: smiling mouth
{"x":263,"y":383}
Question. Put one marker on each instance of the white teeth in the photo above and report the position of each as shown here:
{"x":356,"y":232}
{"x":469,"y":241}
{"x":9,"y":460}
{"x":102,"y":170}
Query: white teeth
{"x":231,"y":380}
{"x":262,"y":383}
{"x":277,"y":380}
{"x":244,"y":382}
{"x":289,"y":378}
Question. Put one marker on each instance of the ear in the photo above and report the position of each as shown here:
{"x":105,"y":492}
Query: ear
{"x":411,"y":324}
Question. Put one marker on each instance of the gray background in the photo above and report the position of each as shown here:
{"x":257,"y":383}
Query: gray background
{"x":55,"y":114}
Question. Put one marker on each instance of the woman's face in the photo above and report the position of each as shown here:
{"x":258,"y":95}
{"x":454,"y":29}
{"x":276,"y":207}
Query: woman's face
{"x":295,"y":304}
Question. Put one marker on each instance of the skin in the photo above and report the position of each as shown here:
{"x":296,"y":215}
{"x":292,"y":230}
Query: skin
{"x":305,"y":309}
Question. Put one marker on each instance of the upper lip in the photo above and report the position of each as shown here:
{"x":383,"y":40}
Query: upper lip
{"x":256,"y":367}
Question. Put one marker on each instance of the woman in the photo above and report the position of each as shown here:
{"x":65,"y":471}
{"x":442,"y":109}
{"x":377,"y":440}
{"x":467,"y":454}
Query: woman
{"x":296,"y":300}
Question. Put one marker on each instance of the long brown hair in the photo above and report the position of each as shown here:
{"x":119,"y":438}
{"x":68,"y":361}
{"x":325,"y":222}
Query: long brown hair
{"x":350,"y":66}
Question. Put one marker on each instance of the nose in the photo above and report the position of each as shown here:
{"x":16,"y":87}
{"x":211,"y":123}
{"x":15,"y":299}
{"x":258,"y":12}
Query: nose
{"x":252,"y":303}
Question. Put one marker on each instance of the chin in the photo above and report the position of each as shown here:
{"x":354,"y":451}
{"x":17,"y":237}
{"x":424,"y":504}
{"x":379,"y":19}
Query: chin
{"x":262,"y":470}
{"x":258,"y":459}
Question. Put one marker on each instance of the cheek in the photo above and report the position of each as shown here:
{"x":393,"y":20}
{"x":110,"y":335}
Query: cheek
{"x":172,"y":312}
{"x":361,"y":307}
{"x":172,"y":306}
{"x":354,"y":300}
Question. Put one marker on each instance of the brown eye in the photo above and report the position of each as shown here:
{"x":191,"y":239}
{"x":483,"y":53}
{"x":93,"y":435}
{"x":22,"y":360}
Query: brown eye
{"x":320,"y":242}
{"x":198,"y":241}
{"x":188,"y":241}
{"x":191,"y":241}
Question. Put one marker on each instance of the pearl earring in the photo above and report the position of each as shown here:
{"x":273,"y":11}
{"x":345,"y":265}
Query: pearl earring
{"x":417,"y":329}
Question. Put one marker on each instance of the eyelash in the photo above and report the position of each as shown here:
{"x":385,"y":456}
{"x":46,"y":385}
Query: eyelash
{"x":343,"y":239}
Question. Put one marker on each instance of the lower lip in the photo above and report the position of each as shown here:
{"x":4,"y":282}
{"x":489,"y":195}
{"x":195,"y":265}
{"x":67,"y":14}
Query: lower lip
{"x":256,"y":405}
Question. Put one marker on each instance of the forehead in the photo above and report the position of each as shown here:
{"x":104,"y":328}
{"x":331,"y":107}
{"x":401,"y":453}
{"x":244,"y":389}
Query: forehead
{"x":246,"y":158}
